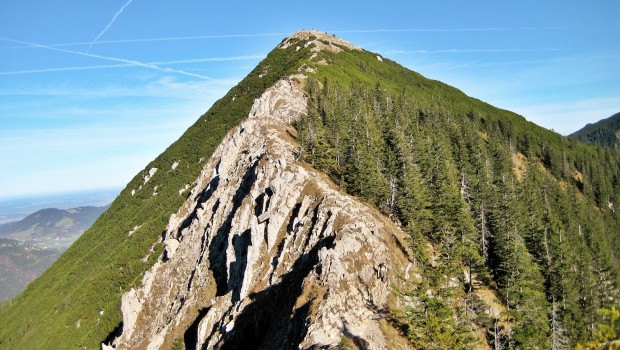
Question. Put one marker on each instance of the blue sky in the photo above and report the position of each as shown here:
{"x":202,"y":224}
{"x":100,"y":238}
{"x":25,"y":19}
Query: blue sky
{"x":91,"y":91}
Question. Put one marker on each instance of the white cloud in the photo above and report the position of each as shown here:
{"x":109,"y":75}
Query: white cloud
{"x":84,"y":157}
{"x":107,"y":173}
{"x":76,"y":137}
{"x":154,"y":86}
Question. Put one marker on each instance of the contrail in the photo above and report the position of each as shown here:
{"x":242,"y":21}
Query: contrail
{"x":118,"y":13}
{"x":214,"y":59}
{"x":441,"y":30}
{"x":114,"y":59}
{"x":229,"y":36}
{"x":412,"y":30}
{"x":403,"y":52}
{"x":489,"y":50}
{"x":63,"y":69}
{"x":192,"y":60}
{"x":125,"y":41}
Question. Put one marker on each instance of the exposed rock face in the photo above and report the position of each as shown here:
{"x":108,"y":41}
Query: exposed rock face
{"x":266,"y":252}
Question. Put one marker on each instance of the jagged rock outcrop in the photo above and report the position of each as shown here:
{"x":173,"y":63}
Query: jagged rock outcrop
{"x":266,"y":252}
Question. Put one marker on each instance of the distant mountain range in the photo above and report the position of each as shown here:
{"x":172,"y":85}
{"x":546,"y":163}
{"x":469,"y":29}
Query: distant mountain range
{"x":20,"y":264}
{"x":29,"y":246}
{"x":52,"y":228}
{"x":605,"y":132}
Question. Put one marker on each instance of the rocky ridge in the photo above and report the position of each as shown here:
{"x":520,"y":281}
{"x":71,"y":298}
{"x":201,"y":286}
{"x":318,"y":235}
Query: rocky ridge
{"x":266,"y":252}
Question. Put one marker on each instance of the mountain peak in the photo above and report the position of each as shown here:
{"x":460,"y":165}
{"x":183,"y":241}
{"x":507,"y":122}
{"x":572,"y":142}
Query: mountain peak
{"x":321,"y":41}
{"x":336,"y":200}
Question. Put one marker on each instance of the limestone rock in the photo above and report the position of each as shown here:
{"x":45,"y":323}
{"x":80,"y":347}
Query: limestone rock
{"x":171,"y":247}
{"x":149,"y":175}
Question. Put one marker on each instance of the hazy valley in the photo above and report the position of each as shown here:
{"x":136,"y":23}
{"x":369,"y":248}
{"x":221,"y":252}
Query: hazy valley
{"x":30,"y":245}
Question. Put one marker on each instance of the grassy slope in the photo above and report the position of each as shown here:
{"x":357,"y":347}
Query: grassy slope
{"x":62,"y":308}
